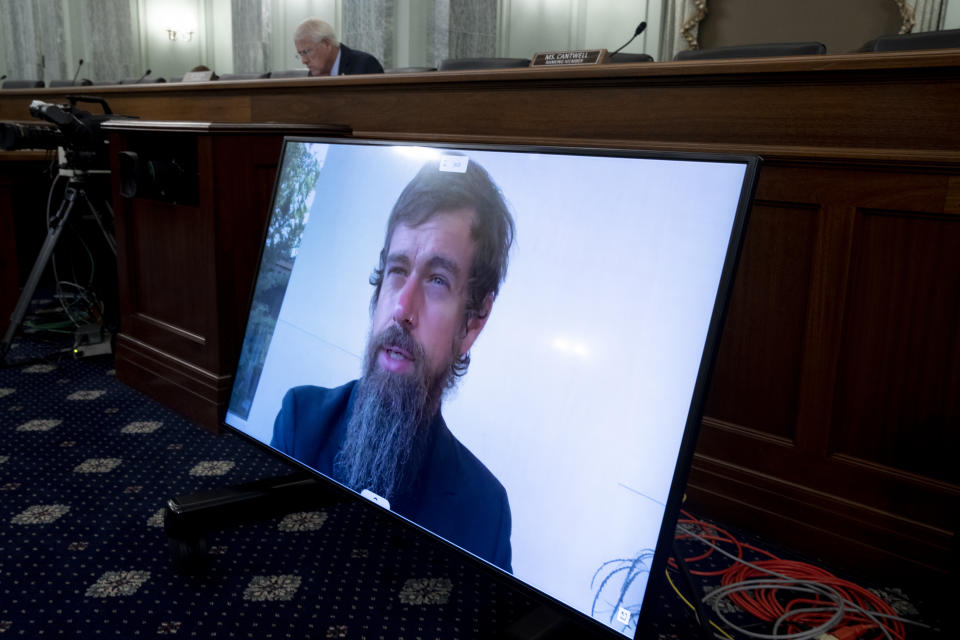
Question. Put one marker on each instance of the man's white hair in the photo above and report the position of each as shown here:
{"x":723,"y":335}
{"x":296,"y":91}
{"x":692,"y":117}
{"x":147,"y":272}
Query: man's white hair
{"x":316,"y":30}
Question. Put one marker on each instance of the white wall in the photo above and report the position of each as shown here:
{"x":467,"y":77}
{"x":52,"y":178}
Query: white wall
{"x":72,"y":37}
{"x":211,"y":44}
{"x":609,"y":24}
{"x":952,"y":19}
{"x":411,"y":40}
{"x":163,"y":56}
{"x":219,"y":36}
{"x":529,"y":26}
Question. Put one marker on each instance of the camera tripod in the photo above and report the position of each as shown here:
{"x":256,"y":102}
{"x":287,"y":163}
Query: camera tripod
{"x":74,"y":192}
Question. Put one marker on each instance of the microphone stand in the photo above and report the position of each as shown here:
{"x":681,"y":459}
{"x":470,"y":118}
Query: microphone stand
{"x":640,"y":28}
{"x":77,"y":73}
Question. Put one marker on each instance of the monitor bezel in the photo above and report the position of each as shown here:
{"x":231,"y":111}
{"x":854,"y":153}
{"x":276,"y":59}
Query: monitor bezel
{"x":663,"y":548}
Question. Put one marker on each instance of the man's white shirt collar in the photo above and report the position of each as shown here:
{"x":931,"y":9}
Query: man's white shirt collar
{"x":335,"y":69}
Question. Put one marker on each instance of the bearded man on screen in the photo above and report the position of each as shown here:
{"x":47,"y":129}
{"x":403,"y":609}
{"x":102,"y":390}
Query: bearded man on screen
{"x":443,"y":260}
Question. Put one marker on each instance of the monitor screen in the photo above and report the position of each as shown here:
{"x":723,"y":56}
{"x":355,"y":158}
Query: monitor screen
{"x":507,"y":347}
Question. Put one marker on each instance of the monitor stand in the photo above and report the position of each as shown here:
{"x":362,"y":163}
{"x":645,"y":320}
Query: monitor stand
{"x":189,"y":518}
{"x":546,"y":622}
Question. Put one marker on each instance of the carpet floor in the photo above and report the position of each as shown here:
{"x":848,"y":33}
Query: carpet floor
{"x":87,"y":465}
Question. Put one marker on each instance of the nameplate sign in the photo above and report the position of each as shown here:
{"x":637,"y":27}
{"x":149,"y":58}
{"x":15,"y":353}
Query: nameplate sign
{"x":577,"y":56}
{"x":197,"y":76}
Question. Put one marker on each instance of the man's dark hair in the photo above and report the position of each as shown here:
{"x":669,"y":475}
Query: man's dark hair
{"x":433,"y":190}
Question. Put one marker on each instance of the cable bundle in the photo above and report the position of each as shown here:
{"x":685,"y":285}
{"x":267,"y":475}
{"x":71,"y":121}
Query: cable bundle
{"x":79,"y":302}
{"x":798,"y":599}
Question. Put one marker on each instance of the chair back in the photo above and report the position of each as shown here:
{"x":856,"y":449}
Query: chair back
{"x":462,"y":64}
{"x":245,"y":76}
{"x":631,"y":57}
{"x":142,"y":80}
{"x":411,"y":70}
{"x":23,"y":84}
{"x":289,"y":73}
{"x":947,"y":39}
{"x":80,"y":82}
{"x":755,"y":51}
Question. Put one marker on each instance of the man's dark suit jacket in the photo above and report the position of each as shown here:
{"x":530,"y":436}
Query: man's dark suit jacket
{"x":454,"y":495}
{"x":356,"y":62}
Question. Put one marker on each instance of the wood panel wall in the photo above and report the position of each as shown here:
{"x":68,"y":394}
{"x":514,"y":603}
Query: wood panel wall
{"x":186,"y":267}
{"x":833,"y":413}
{"x":834,"y":408}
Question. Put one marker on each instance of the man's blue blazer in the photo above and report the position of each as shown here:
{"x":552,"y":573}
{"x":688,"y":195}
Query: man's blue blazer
{"x":453,"y":495}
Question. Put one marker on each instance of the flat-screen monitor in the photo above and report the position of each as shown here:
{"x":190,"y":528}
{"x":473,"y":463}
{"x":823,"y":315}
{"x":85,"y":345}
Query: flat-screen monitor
{"x":506,"y":347}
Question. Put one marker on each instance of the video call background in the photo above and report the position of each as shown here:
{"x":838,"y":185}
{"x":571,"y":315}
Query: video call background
{"x":580,"y":384}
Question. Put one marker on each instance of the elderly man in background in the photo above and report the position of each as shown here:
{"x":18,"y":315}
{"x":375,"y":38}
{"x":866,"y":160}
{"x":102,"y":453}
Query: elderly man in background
{"x":321,"y":52}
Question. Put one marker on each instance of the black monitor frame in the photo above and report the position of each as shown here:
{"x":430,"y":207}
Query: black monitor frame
{"x":580,"y":620}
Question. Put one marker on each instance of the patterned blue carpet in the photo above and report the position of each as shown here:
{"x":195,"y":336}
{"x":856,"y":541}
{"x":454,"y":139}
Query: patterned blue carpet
{"x":86,"y":467}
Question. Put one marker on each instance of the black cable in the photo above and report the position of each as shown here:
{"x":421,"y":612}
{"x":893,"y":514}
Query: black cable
{"x":696,"y":594}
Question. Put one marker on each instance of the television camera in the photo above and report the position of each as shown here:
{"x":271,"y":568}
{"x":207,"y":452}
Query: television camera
{"x":83,"y":151}
{"x":75,"y":131}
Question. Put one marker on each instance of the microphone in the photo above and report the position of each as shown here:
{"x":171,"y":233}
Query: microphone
{"x":145,"y":74}
{"x":640,"y":28}
{"x":79,"y":64}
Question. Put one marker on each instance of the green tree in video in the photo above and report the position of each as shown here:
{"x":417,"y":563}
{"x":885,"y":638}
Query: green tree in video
{"x":291,"y":209}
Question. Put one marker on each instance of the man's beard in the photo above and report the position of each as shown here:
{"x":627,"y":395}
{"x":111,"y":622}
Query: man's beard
{"x":388,"y":429}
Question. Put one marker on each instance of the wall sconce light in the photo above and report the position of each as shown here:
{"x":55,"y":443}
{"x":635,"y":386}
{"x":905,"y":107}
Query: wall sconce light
{"x":181,"y":36}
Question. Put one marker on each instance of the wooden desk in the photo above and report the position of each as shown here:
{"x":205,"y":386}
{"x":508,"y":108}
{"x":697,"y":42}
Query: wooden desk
{"x":896,"y":107}
{"x":835,"y":409}
{"x":186,"y":265}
